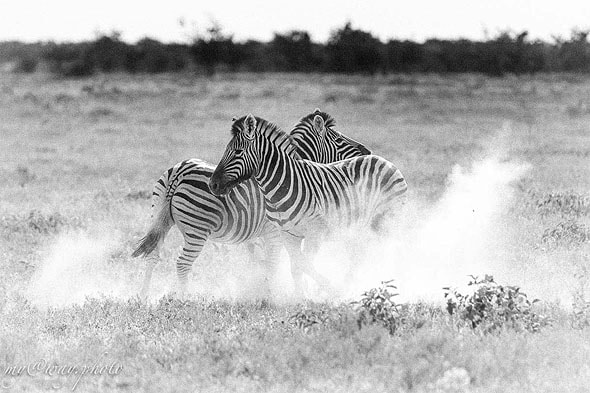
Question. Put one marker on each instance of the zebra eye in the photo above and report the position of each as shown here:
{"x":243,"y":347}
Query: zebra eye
{"x":239,"y":152}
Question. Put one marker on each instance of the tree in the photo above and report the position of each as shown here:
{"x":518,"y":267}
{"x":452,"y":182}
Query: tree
{"x":215,"y":49}
{"x":293,"y":51}
{"x":351,"y":50}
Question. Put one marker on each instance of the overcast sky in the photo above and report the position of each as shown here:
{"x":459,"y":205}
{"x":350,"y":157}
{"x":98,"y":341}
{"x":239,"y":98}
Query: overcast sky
{"x":74,"y":20}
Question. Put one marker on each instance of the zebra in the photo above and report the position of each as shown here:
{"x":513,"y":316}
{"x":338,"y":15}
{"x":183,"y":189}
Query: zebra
{"x":181,"y":196}
{"x":302,"y":196}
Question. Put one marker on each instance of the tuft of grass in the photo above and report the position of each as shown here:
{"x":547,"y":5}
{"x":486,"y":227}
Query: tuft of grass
{"x":141,"y":194}
{"x":580,"y":304}
{"x":562,"y":203}
{"x":46,"y":223}
{"x":24,"y":175}
{"x":566,"y":234}
{"x":579,"y":109}
{"x":229,"y":95}
{"x":63,"y":98}
{"x":100,"y":90}
{"x":101,"y":112}
{"x":362,"y":99}
{"x":308,"y":318}
{"x":268,"y":93}
{"x":37,"y":222}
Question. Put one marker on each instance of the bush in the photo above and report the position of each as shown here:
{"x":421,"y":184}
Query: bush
{"x":378,"y":306}
{"x":26,"y":65}
{"x":352,"y":51}
{"x":574,"y":55}
{"x":293,"y":52}
{"x":68,"y":60}
{"x":493,"y":306}
{"x":214,"y":50}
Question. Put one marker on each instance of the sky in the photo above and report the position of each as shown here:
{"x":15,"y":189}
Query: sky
{"x":76,"y":20}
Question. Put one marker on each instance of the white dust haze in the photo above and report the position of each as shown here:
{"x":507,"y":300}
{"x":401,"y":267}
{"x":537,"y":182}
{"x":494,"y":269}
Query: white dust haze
{"x":76,"y":266}
{"x":429,"y":245}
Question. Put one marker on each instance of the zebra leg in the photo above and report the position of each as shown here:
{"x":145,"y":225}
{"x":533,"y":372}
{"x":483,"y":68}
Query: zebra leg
{"x":310,"y":249}
{"x":271,"y":238}
{"x":293,"y":246}
{"x":193,"y":245}
{"x":151,"y":262}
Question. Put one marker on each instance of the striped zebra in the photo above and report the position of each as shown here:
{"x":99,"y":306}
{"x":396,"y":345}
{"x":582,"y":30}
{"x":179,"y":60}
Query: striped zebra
{"x":301,"y":196}
{"x":181,"y":196}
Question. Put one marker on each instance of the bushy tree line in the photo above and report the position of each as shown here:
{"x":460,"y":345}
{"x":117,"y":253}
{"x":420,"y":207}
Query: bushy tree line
{"x":348,"y":50}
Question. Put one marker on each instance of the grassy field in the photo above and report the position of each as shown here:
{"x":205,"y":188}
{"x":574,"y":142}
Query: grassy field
{"x":78,"y":161}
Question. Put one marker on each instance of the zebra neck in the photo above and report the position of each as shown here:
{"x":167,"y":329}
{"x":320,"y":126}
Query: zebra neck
{"x":276,"y":177}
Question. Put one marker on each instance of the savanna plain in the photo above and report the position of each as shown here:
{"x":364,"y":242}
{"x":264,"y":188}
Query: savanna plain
{"x":78,"y":160}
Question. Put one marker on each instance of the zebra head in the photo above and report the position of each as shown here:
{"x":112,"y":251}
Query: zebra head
{"x":239,"y":160}
{"x":318,"y":141}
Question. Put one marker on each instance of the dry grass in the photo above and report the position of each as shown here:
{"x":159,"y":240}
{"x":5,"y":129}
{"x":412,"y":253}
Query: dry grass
{"x":83,"y":155}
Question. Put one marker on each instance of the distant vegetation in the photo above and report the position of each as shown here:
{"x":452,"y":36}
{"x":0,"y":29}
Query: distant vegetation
{"x":348,"y":50}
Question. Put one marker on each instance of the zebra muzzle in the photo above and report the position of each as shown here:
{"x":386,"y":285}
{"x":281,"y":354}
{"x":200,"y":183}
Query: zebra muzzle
{"x":219,"y":184}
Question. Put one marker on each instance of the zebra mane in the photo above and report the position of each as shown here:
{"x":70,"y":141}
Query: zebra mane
{"x":271,"y":132}
{"x":329,"y":121}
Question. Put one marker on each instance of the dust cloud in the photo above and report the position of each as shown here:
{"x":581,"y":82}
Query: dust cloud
{"x":430,"y":246}
{"x":76,"y":266}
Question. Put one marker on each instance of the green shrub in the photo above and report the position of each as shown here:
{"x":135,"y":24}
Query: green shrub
{"x":493,"y":306}
{"x":378,"y":306}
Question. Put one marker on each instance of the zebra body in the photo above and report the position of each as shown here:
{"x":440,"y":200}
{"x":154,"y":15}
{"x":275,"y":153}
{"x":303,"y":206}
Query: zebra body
{"x":352,"y":191}
{"x":301,"y":196}
{"x":185,"y":188}
{"x":182,"y":197}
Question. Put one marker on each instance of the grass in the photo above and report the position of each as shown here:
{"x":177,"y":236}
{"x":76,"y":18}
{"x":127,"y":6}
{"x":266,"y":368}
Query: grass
{"x":82,"y":156}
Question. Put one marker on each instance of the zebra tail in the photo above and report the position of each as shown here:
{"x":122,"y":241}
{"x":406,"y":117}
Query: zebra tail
{"x":147,"y":244}
{"x":156,"y":233}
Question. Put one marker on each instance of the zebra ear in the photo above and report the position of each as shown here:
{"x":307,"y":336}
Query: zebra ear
{"x":318,"y":124}
{"x":250,"y":126}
